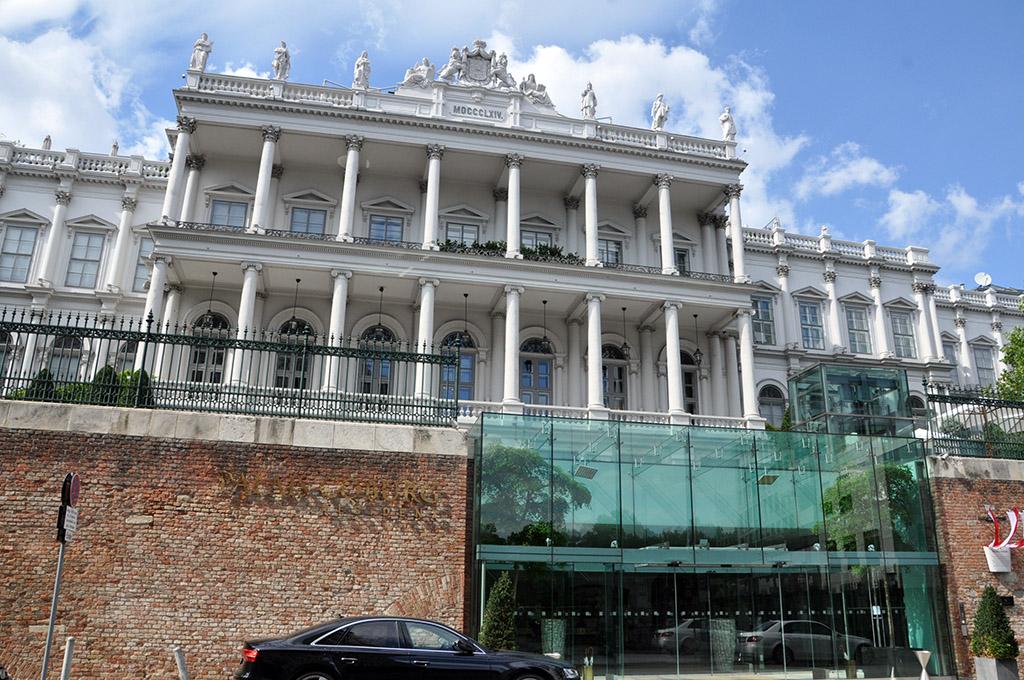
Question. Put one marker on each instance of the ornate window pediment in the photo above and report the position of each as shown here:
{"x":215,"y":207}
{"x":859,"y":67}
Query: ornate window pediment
{"x":538,"y":221}
{"x":24,"y":216}
{"x":856,"y":298}
{"x":90,"y":222}
{"x":536,"y":346}
{"x":810,"y":292}
{"x":386,"y":204}
{"x":767,"y":288}
{"x":982,"y":340}
{"x":900,"y":303}
{"x":463,"y":212}
{"x":231,"y":191}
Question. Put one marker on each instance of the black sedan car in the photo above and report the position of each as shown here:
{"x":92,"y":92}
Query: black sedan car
{"x":389,"y":648}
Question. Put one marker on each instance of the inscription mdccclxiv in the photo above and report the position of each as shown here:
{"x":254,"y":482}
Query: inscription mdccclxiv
{"x":477,"y":112}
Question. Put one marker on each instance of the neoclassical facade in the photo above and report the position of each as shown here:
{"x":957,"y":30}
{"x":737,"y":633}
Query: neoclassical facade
{"x":588,"y":269}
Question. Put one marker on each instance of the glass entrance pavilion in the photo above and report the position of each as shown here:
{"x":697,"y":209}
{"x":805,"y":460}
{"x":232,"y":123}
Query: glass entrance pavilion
{"x":660,"y":551}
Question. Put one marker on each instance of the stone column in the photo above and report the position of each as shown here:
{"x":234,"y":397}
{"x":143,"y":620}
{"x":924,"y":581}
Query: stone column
{"x":500,"y":214}
{"x":168,"y":322}
{"x":336,"y":329}
{"x":787,"y":314}
{"x":115,"y":271}
{"x":595,"y":386}
{"x":572,"y":225}
{"x":719,"y":405}
{"x":513,"y":161}
{"x":176,"y":177}
{"x":589,"y":172}
{"x":736,"y":230}
{"x":933,"y":317}
{"x":347,"y":211}
{"x":511,"y":380}
{"x":967,"y":372}
{"x":676,"y":412}
{"x":425,"y":335}
{"x":54,"y":239}
{"x":746,"y":327}
{"x":434,"y":154}
{"x":648,"y":378}
{"x":642,"y":240}
{"x":926,"y":341}
{"x":884,"y":351}
{"x":997,"y":335}
{"x":497,"y":355}
{"x":154,"y":304}
{"x":247,"y":301}
{"x":276,"y":173}
{"x":575,"y":360}
{"x":668,"y":251}
{"x":708,"y":260}
{"x":835,"y":328}
{"x":722,"y":244}
{"x":195,"y":165}
{"x":732,"y":376}
{"x":262,"y":211}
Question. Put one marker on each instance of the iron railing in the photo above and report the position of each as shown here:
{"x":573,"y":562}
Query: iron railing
{"x":971,"y":421}
{"x":87,"y":359}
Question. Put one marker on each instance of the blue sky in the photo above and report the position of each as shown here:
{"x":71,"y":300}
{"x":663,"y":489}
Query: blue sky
{"x":893,"y":121}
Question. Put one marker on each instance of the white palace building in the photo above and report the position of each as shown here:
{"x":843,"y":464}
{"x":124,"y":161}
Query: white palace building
{"x":599,"y":270}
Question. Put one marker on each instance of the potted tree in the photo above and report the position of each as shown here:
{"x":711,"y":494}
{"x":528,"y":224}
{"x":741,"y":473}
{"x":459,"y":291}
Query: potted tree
{"x":498,"y":628}
{"x":993,"y":643}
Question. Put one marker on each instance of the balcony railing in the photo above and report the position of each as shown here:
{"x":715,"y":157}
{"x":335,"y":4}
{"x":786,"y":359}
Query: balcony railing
{"x":78,"y":359}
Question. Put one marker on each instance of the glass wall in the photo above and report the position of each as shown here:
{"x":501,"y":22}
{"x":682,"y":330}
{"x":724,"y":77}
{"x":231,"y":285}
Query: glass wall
{"x":852,"y":400}
{"x":660,"y":551}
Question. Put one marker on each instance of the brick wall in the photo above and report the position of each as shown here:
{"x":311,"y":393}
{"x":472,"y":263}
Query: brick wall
{"x":209,"y":543}
{"x":961,"y":489}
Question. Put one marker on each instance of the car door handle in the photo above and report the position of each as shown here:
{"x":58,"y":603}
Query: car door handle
{"x":347,"y":660}
{"x":420,"y":663}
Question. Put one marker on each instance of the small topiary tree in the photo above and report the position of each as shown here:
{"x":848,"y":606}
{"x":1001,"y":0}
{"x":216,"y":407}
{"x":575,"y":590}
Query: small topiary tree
{"x":498,"y":629}
{"x":106,"y":386}
{"x":42,"y":387}
{"x":135,"y":390}
{"x":992,"y":637}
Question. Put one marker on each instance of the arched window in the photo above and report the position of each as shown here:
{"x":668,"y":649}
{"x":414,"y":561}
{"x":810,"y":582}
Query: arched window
{"x":206,"y":362}
{"x":65,"y":358}
{"x":916,"y":404}
{"x":535,"y":378}
{"x":613,"y":376}
{"x":6,"y":353}
{"x":771,"y":404}
{"x":292,"y":368}
{"x":375,"y":375}
{"x":124,"y":359}
{"x":689,"y":367}
{"x":460,"y":380}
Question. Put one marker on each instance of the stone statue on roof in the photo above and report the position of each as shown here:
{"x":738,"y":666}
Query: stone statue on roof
{"x":451,"y":71}
{"x":361,"y":73}
{"x":659,"y":113}
{"x":200,"y":53}
{"x":534,"y":91}
{"x":499,"y":71}
{"x":728,"y":125}
{"x":47,"y":143}
{"x":420,"y":75}
{"x":282,"y":63}
{"x":588,"y":102}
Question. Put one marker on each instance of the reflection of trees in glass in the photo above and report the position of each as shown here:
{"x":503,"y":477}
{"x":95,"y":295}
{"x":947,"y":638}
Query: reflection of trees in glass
{"x":850,"y":506}
{"x":522,"y":495}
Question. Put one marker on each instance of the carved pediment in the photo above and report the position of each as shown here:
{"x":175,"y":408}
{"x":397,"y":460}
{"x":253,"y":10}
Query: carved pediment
{"x":309,"y":196}
{"x":857,"y":298}
{"x":536,"y":220}
{"x":810,"y":292}
{"x":23,"y":215}
{"x":465,"y":212}
{"x":387,"y":203}
{"x":89,"y":222}
{"x":900,"y":303}
{"x":229,"y":188}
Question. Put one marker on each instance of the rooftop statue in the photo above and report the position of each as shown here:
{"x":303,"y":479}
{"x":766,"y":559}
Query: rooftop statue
{"x":728,"y":125}
{"x":420,"y":75}
{"x":451,"y":71}
{"x":282,"y":63}
{"x":534,"y":91}
{"x":361,"y":73}
{"x":588,"y":102}
{"x":499,"y":71}
{"x":114,"y":148}
{"x":47,"y":142}
{"x":659,"y":113}
{"x":200,"y":53}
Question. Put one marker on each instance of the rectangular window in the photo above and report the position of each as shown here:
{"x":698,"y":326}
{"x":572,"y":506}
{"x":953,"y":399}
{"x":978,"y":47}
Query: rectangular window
{"x":385,"y":228}
{"x":764,"y":321}
{"x":84,"y":266}
{"x":466,"y":234}
{"x":858,"y":329}
{"x":609,"y":251}
{"x":811,"y":332}
{"x":950,"y":351}
{"x":903,"y":335}
{"x":229,"y":213}
{"x":532,"y":239}
{"x":308,"y":221}
{"x":142,"y":265}
{"x":682,"y":259}
{"x":984,"y":362}
{"x":16,"y":253}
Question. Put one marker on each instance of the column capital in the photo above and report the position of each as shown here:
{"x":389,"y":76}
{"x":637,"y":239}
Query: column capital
{"x":923,"y":287}
{"x":129,"y":204}
{"x":721,"y":222}
{"x":744,"y":311}
{"x":513,"y":160}
{"x":960,"y":322}
{"x":639,"y":211}
{"x":500,"y":194}
{"x":186,"y":124}
{"x":276,"y":171}
{"x":63,"y":197}
{"x":667,"y":305}
{"x":646,"y":328}
{"x":335,"y":273}
{"x":160,"y":257}
{"x":782,"y":270}
{"x":706,"y":219}
{"x":875,"y":281}
{"x":830,"y":276}
{"x":518,"y":290}
{"x":663,"y":180}
{"x":423,"y":186}
{"x":354,"y":142}
{"x":173,"y":288}
{"x":733,"y":190}
{"x":195,"y":161}
{"x":433,"y":283}
{"x":498,"y":314}
{"x":595,"y":296}
{"x":997,"y":326}
{"x":574,"y":321}
{"x":435,"y":151}
{"x":589,"y":170}
{"x":254,"y":266}
{"x":572,"y":202}
{"x":271,"y":133}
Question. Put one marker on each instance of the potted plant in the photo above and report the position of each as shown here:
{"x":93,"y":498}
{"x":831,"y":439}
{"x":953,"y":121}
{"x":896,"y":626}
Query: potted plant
{"x":498,"y":628}
{"x":993,"y":643}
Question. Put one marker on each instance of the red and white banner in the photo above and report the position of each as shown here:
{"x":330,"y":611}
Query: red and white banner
{"x":998,"y":543}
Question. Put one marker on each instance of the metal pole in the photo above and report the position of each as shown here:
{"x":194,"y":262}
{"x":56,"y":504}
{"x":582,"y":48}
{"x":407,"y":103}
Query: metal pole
{"x":53,"y":611}
{"x":179,"y":658}
{"x":69,"y":649}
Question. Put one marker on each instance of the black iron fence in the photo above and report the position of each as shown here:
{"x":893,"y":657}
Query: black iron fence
{"x":971,"y":421}
{"x":88,"y":359}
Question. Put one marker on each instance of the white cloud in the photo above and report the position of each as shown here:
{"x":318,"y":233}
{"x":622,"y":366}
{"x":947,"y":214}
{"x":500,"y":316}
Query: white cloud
{"x":844,"y":168}
{"x":702,"y":32}
{"x":246,"y":70}
{"x":16,"y":15}
{"x":908,"y":213}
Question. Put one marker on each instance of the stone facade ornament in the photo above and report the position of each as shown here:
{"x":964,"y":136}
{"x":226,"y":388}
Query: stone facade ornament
{"x":960,"y":322}
{"x":420,"y":75}
{"x":499,"y":72}
{"x":354,"y":142}
{"x":571,"y":202}
{"x":277,"y":171}
{"x":271,"y":133}
{"x":500,"y":194}
{"x":733,"y":190}
{"x":114,"y":148}
{"x":63,"y":197}
{"x":129,"y":204}
{"x":435,"y":151}
{"x":534,"y":91}
{"x":186,"y":124}
{"x":514,"y":160}
{"x":830,"y":276}
{"x":639,"y":211}
{"x":588,"y":103}
{"x":875,"y":281}
{"x":200,"y":53}
{"x":782,"y":270}
{"x":476,"y":65}
{"x":451,"y":71}
{"x":361,"y":73}
{"x":662,"y":181}
{"x":997,"y":326}
{"x":195,"y":161}
{"x":728,"y":125}
{"x":282,"y":63}
{"x":590,"y":170}
{"x":659,"y":113}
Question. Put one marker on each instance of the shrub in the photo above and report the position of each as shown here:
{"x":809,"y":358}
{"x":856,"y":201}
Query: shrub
{"x":135,"y":390}
{"x":42,"y":387}
{"x":498,"y":629}
{"x":106,"y":386}
{"x":992,"y":637}
{"x":75,"y":393}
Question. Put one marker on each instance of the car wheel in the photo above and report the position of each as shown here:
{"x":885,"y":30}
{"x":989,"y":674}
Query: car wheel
{"x":689,"y":646}
{"x":316,"y":675}
{"x":858,"y":654}
{"x":782,"y":655}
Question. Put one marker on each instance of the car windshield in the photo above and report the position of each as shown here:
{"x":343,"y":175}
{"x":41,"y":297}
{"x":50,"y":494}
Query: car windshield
{"x":766,"y":625}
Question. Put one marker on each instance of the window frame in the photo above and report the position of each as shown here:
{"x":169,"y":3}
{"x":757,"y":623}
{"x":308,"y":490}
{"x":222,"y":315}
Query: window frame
{"x":141,"y":261}
{"x":603,"y":243}
{"x":98,"y":274}
{"x":463,"y":225}
{"x":230,"y":200}
{"x":820,"y":325}
{"x":992,"y":370}
{"x":548,"y":234}
{"x":772,"y":401}
{"x":294,"y":211}
{"x":403,"y":221}
{"x":866,"y":346}
{"x":899,"y":334}
{"x":23,"y":226}
{"x":760,"y":325}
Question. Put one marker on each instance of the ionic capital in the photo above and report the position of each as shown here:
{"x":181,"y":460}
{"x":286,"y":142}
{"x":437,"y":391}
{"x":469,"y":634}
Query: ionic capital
{"x":435,"y":151}
{"x":733,"y":190}
{"x":513,"y":160}
{"x":433,"y":283}
{"x":186,"y":124}
{"x":517,"y":290}
{"x":595,"y":296}
{"x":353,"y":142}
{"x":589,"y":170}
{"x":271,"y":133}
{"x":667,"y":305}
{"x":251,"y":266}
{"x":343,"y":273}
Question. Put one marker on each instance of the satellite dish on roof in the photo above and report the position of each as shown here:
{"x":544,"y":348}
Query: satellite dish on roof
{"x":982,"y":279}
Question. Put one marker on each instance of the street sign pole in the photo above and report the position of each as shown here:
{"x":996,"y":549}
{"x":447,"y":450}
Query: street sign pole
{"x":67,"y":525}
{"x":53,"y":610}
